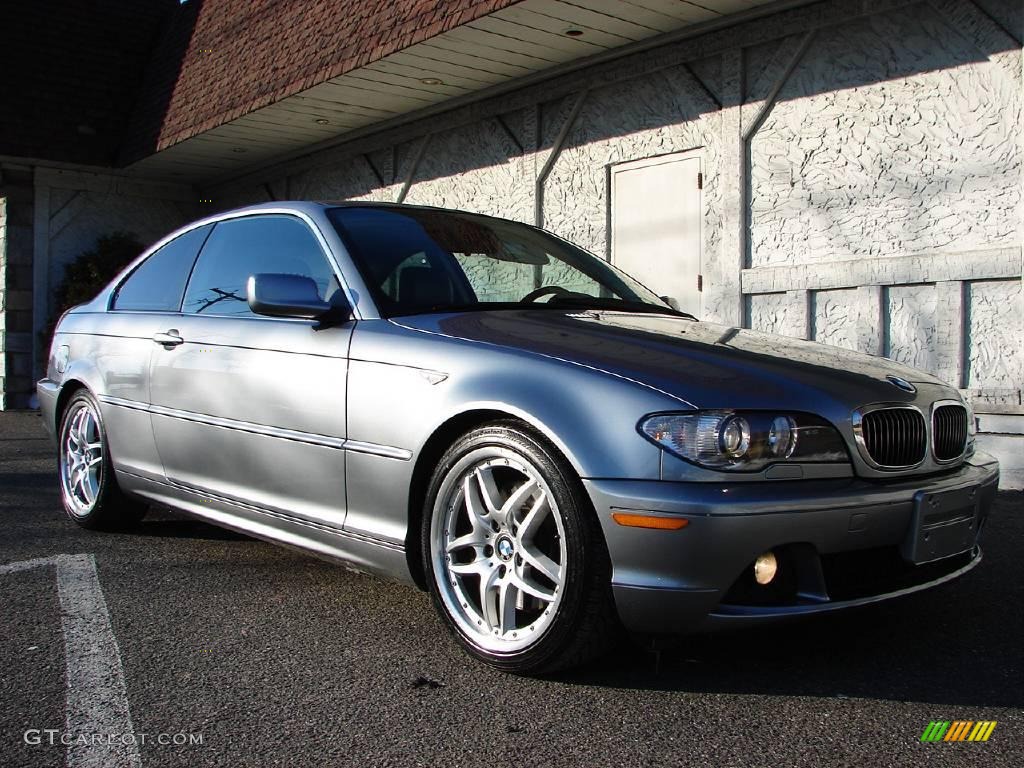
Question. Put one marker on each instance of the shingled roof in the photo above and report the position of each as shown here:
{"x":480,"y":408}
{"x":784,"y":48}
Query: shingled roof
{"x":220,"y":59}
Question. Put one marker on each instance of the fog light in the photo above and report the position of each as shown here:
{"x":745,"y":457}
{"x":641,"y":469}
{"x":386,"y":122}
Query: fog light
{"x":765,"y":568}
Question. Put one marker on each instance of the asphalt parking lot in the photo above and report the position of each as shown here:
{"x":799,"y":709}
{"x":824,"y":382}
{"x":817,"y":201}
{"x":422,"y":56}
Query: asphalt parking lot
{"x":273,"y":658}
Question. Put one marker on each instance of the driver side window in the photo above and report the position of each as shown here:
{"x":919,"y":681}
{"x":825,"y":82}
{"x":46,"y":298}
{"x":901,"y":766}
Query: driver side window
{"x":238,"y":248}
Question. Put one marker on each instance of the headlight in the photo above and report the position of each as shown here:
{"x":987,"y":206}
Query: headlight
{"x":745,"y":441}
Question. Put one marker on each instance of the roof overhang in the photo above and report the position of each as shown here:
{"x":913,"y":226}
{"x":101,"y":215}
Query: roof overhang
{"x":512,"y":47}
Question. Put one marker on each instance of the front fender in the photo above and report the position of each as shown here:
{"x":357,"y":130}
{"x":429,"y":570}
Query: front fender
{"x":588,"y":414}
{"x":405,"y":385}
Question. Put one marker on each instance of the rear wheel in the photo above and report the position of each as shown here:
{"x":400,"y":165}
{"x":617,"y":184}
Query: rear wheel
{"x":515,"y":560}
{"x":89,"y":490}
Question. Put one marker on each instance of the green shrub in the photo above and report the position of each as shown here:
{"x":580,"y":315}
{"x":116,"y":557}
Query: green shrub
{"x":91,"y":271}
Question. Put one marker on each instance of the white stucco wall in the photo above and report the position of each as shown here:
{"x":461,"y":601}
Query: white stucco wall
{"x":891,"y":137}
{"x":897,"y":135}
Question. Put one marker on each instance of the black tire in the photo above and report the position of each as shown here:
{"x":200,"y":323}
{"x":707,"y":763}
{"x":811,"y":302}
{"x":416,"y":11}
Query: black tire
{"x":584,"y":624}
{"x":93,"y":499}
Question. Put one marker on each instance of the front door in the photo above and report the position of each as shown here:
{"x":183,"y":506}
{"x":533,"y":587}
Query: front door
{"x":249,"y":408}
{"x":145,"y":302}
{"x":656,"y":215}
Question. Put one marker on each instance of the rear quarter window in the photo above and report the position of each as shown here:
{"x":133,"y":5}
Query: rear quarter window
{"x":158,"y":283}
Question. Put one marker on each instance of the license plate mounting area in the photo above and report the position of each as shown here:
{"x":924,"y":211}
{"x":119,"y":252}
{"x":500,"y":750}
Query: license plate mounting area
{"x":944,"y":523}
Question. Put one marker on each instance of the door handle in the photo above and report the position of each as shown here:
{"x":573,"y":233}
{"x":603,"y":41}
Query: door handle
{"x":168,"y":339}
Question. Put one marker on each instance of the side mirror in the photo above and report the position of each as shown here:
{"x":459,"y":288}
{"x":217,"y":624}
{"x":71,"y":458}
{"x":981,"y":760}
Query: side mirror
{"x":672,"y":303}
{"x":287,"y":296}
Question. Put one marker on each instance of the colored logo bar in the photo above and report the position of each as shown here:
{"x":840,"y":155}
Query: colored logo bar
{"x":958,"y":730}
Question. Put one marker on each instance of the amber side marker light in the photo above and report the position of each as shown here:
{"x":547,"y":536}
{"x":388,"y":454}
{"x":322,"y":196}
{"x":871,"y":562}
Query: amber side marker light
{"x":634,"y":520}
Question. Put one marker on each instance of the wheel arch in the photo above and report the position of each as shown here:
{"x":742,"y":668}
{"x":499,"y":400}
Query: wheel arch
{"x":67,"y":391}
{"x":82,"y":373}
{"x":440,"y":440}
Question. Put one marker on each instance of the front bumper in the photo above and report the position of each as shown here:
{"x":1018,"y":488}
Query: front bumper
{"x":687,"y":580}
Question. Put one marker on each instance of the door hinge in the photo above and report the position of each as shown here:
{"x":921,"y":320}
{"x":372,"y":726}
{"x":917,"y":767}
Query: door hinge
{"x":700,"y":180}
{"x":700,"y":283}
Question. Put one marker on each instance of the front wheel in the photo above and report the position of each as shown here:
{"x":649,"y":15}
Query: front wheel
{"x":89,"y":490}
{"x":515,"y":559}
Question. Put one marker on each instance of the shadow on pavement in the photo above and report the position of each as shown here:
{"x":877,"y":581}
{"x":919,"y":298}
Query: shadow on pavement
{"x":959,"y":644}
{"x":184,"y":528}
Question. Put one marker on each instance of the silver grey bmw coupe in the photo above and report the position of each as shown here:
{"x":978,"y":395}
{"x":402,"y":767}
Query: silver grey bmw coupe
{"x":480,"y":408}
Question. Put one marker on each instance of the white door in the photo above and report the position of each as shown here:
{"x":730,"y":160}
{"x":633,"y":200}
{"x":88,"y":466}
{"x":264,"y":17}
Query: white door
{"x":656,"y":225}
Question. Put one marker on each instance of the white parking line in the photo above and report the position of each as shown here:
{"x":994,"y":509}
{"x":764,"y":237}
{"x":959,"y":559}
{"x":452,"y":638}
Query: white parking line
{"x":97,"y":703}
{"x":24,"y":565}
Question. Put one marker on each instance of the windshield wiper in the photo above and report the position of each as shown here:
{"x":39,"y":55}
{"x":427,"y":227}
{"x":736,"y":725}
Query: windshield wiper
{"x":557,"y":302}
{"x":624,"y":305}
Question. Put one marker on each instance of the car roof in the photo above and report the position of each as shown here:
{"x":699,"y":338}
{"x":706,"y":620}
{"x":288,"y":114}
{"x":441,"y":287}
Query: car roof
{"x":308,"y":206}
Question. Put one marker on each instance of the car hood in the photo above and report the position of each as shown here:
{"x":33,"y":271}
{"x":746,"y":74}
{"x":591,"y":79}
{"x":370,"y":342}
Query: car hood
{"x":704,"y":364}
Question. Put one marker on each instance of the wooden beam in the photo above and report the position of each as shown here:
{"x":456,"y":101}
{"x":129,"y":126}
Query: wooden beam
{"x":556,"y":149}
{"x":417,"y":157}
{"x":765,"y":107}
{"x":950,"y":332}
{"x":982,"y":264}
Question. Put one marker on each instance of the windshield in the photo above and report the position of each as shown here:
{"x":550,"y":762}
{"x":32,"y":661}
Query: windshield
{"x":417,"y":260}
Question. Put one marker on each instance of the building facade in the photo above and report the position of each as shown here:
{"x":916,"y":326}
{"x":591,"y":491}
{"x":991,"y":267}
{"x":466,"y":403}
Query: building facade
{"x":846,"y":172}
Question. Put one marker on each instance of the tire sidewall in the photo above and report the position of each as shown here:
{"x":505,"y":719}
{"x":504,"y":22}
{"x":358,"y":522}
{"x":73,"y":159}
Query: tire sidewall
{"x":560,"y":480}
{"x":95,"y":517}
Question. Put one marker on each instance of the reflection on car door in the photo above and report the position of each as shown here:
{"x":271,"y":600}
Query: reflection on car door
{"x":248,"y":408}
{"x":146,"y":301}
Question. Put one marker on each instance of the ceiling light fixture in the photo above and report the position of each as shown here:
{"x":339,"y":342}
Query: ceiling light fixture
{"x":574,"y":32}
{"x":431,"y":81}
{"x":239,"y":150}
{"x":322,"y":121}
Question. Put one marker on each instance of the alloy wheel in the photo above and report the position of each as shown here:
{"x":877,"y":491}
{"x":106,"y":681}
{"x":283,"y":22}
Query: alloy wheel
{"x":498,"y":550}
{"x":81,"y":459}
